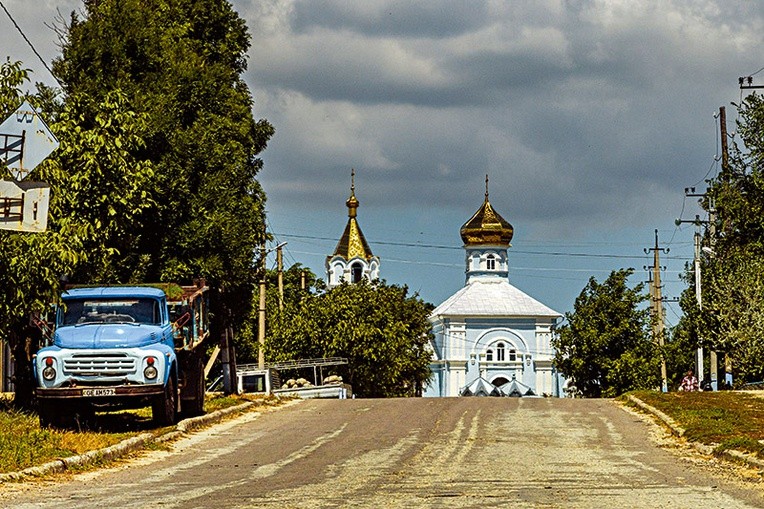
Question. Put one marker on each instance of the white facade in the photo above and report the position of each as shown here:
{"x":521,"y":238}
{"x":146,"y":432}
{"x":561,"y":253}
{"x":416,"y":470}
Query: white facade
{"x":338,"y":269}
{"x":489,"y":329}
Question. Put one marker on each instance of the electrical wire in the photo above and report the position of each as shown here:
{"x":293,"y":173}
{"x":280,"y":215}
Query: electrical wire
{"x":34,"y":50}
{"x":458,"y":248}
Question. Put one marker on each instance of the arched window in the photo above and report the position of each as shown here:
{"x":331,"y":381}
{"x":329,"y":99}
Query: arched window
{"x":500,"y":352}
{"x":356,"y":272}
{"x":512,"y":354}
{"x":489,"y":355}
{"x":490,"y":262}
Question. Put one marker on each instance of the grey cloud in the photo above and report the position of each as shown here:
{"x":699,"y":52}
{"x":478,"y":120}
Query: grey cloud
{"x":389,"y":18}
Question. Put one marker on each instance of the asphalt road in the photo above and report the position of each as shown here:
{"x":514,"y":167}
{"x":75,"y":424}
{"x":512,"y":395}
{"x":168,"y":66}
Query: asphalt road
{"x":461,"y":452}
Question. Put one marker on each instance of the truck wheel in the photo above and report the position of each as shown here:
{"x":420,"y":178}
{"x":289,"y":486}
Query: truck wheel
{"x":50,"y":414}
{"x":164,"y":408}
{"x":192,"y":402}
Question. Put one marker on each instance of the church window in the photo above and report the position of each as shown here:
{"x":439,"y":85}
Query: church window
{"x":356,"y":273}
{"x":500,"y":352}
{"x":489,"y":355}
{"x":490,"y":262}
{"x":512,"y":354}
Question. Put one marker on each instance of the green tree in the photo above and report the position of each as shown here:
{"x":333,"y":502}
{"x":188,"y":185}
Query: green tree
{"x":731,"y":320}
{"x":604,"y":348}
{"x":379,"y":328}
{"x":96,"y":192}
{"x":180,"y":65}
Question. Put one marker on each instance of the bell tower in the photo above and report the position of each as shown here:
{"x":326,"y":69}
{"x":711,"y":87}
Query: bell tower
{"x":352,"y":260}
{"x":486,"y":238}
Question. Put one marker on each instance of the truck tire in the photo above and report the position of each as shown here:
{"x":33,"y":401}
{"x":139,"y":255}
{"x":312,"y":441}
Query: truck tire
{"x":164,"y":408}
{"x":50,"y":413}
{"x":70,"y":414}
{"x":192,"y":396}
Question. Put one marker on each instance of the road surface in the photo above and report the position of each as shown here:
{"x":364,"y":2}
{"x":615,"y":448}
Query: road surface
{"x":444,"y":453}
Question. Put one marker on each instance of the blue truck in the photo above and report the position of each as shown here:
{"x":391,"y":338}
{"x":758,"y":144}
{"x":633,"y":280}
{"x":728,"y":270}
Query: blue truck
{"x":124,"y":347}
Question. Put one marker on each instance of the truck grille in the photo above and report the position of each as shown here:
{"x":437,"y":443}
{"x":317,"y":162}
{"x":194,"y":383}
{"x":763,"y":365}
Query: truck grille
{"x":113,"y":364}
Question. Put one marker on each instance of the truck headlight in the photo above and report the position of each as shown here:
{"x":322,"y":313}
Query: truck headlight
{"x":150,"y":372}
{"x":49,"y":372}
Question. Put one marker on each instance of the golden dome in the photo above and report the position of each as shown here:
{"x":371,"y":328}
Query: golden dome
{"x":486,"y":226}
{"x":353,"y":244}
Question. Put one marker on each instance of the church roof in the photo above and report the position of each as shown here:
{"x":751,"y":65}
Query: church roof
{"x":516,"y":389}
{"x":480,"y":387}
{"x":492,"y":297}
{"x":486,"y":226}
{"x":352,"y":244}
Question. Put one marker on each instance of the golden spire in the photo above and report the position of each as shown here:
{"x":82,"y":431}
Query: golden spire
{"x":353,"y":244}
{"x":352,"y":202}
{"x":486,"y":226}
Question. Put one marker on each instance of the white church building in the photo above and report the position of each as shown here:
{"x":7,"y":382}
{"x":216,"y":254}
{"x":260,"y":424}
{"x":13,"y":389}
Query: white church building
{"x":490,"y":338}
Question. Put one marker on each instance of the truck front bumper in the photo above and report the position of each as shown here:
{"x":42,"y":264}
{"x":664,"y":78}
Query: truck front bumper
{"x":100,"y":392}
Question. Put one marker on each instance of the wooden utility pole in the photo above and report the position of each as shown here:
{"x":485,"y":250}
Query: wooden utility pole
{"x":656,"y":307}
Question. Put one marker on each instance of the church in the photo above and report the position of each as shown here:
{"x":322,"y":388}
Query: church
{"x":490,"y":338}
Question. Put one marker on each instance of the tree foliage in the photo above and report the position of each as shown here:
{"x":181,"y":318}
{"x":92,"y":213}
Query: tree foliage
{"x":178,"y":65}
{"x":155,"y":176}
{"x":379,"y":328}
{"x":604,"y":348}
{"x":731,"y":318}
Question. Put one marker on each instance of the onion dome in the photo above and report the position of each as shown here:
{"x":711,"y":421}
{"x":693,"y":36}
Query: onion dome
{"x":486,"y":226}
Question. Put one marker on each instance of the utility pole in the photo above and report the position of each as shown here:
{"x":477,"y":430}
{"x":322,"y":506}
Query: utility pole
{"x":280,"y":265}
{"x":699,"y":299}
{"x":656,"y":307}
{"x":261,"y":313}
{"x":698,"y":296}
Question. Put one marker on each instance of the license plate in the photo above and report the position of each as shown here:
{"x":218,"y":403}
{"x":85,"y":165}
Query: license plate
{"x":98,"y":392}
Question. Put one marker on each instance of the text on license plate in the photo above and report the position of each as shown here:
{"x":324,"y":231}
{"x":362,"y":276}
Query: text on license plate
{"x":98,"y":392}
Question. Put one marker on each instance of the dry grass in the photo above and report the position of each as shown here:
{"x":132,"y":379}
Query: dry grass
{"x":24,"y":444}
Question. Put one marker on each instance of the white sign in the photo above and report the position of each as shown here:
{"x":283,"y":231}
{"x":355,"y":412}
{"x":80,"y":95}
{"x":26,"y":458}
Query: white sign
{"x":24,"y":206}
{"x":25,"y":141}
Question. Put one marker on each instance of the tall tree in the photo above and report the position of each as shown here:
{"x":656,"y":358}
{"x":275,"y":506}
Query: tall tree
{"x":379,"y":328}
{"x":34,"y":264}
{"x":604,"y":348}
{"x":180,"y":63}
{"x":731,"y":318}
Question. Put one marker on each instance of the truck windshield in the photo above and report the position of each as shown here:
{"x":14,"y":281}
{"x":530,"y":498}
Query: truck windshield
{"x":80,"y":311}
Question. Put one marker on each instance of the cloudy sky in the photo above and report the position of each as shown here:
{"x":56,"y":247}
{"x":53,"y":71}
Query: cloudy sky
{"x":590,"y":118}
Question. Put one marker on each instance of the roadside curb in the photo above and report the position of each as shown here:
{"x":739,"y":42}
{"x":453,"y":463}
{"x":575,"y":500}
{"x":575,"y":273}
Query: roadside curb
{"x":124,"y":447}
{"x":678,"y":431}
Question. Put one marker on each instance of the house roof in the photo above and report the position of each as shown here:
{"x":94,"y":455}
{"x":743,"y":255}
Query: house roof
{"x":492,"y":297}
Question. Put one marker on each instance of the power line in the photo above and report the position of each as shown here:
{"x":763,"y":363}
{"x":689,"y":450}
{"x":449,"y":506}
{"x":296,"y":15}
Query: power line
{"x":30,"y":44}
{"x":458,"y":248}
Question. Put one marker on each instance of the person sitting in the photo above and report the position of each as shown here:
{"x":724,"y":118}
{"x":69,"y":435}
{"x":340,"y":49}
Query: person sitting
{"x":689,"y":382}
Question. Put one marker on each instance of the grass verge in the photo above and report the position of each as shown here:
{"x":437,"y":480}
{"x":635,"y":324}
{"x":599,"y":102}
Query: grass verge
{"x":724,"y":419}
{"x":24,"y":444}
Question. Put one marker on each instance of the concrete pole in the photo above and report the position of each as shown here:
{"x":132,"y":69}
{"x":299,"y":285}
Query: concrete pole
{"x":699,"y":298}
{"x":261,"y":314}
{"x":280,"y":264}
{"x":659,"y":325}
